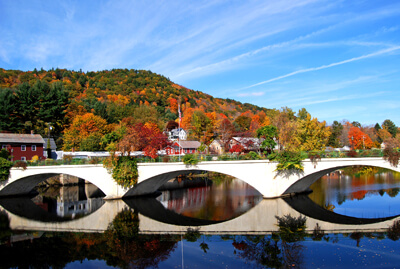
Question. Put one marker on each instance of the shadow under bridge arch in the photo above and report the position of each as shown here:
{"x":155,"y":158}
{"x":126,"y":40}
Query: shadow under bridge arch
{"x":303,"y":184}
{"x":25,"y":185}
{"x":151,"y":185}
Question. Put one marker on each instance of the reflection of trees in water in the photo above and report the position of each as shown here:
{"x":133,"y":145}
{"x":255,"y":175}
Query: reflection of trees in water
{"x":5,"y":230}
{"x":281,"y":249}
{"x":261,"y":250}
{"x":355,"y":183}
{"x":128,"y":249}
{"x":120,"y":245}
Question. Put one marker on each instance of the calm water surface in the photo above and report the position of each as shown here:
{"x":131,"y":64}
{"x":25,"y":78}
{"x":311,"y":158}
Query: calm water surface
{"x":47,"y":230}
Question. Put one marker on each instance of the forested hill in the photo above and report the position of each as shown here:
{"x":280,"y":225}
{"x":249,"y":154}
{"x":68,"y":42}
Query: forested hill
{"x":29,"y":100}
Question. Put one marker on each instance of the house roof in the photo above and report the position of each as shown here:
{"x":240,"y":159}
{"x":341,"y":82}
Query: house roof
{"x":52,"y":143}
{"x":217,"y":141}
{"x":21,"y":138}
{"x":189,"y":144}
{"x":249,"y":142}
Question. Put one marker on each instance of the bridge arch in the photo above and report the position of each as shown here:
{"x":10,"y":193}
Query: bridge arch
{"x":23,"y":181}
{"x":150,"y":179}
{"x":307,"y":179}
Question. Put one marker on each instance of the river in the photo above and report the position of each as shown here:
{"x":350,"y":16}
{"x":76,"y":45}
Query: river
{"x":347,"y":221}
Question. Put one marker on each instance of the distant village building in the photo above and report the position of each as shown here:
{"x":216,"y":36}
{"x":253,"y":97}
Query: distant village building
{"x":183,"y":147}
{"x":177,"y":134}
{"x":216,"y":147}
{"x":247,"y":143}
{"x":22,"y":146}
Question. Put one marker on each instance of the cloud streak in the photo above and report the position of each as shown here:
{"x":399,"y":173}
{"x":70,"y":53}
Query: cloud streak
{"x":312,"y":69}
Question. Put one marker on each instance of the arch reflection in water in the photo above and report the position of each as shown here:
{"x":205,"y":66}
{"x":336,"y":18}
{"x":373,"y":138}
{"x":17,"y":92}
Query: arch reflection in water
{"x":363,"y":192}
{"x":261,"y":219}
{"x":206,"y":202}
{"x":57,"y":203}
{"x":220,"y":199}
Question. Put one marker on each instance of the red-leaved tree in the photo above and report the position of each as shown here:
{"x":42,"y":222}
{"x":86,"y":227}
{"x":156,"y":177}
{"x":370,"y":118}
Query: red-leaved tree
{"x":358,"y":139}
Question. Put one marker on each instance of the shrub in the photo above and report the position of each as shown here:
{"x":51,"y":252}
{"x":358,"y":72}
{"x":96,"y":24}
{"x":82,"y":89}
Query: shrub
{"x":20,"y":164}
{"x":314,"y":157}
{"x":94,"y":160}
{"x":352,"y":154}
{"x":124,"y":170}
{"x":49,"y":161}
{"x":67,"y":158}
{"x":252,"y":156}
{"x":4,"y":154}
{"x":5,"y":167}
{"x":288,"y":160}
{"x":391,"y":155}
{"x":190,"y":159}
{"x":223,"y":157}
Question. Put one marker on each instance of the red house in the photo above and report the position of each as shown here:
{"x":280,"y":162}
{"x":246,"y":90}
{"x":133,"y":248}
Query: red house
{"x":22,"y":146}
{"x":183,"y":147}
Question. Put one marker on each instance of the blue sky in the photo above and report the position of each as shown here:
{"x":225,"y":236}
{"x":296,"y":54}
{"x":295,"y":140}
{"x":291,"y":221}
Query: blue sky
{"x":338,"y":59}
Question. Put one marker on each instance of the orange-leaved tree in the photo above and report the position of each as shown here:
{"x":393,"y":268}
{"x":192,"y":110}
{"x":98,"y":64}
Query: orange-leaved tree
{"x":358,"y":139}
{"x":85,"y":133}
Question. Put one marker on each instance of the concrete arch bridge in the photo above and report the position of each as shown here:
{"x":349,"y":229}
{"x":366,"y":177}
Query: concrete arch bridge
{"x":260,"y":174}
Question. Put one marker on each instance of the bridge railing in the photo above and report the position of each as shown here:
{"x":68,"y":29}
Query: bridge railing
{"x":203,"y":157}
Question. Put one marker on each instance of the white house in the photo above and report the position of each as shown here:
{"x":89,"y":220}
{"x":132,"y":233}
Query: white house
{"x":177,"y":134}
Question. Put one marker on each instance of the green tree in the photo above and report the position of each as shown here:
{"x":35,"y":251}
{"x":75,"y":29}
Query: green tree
{"x":302,"y":114}
{"x":200,"y":124}
{"x":356,"y":124}
{"x":243,"y":122}
{"x":143,"y":114}
{"x":269,"y":133}
{"x":92,"y":142}
{"x":28,"y":100}
{"x":336,"y":131}
{"x":8,"y":112}
{"x":390,"y":126}
{"x":377,"y":127}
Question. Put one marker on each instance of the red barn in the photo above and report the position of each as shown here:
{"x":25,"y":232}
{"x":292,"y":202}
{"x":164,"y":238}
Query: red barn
{"x":22,"y":146}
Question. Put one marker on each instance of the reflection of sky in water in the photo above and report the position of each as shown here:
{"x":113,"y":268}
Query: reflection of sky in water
{"x":372,"y":206}
{"x":366,"y":196}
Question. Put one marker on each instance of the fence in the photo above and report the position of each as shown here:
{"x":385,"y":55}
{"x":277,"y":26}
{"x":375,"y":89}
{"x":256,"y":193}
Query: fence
{"x":204,"y":157}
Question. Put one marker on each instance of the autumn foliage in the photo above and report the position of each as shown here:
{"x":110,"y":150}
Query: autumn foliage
{"x":358,"y":139}
{"x":143,"y":137}
{"x":83,"y":128}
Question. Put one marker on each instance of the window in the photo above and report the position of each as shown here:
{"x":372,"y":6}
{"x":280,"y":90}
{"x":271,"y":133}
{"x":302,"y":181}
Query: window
{"x":23,"y":158}
{"x":33,"y":147}
{"x":23,"y":147}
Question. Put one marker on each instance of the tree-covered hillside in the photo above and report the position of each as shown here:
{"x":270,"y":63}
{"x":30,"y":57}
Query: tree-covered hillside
{"x":129,"y":110}
{"x":31,"y":100}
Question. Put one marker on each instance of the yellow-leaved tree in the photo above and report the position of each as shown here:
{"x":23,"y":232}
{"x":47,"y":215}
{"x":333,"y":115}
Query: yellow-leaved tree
{"x":85,"y":133}
{"x":311,"y":134}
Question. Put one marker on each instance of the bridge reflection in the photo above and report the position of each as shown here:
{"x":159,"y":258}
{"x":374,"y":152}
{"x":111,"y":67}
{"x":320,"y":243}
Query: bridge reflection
{"x":155,"y":218}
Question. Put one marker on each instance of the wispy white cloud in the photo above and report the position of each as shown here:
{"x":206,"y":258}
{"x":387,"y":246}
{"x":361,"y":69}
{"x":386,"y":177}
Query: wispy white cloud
{"x":247,"y":94}
{"x":374,"y":54}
